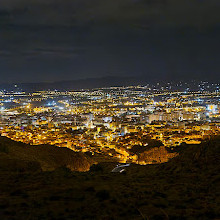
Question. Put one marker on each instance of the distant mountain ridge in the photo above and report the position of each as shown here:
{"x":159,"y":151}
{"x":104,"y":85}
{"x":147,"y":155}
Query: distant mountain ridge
{"x":78,"y":84}
{"x":91,"y":83}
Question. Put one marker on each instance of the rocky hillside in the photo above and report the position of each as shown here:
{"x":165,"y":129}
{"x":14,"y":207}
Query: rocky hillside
{"x":186,"y":187}
{"x":46,"y":157}
{"x":156,"y":155}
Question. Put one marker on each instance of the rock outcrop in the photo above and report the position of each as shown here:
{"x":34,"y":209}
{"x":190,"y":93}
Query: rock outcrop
{"x":156,"y":155}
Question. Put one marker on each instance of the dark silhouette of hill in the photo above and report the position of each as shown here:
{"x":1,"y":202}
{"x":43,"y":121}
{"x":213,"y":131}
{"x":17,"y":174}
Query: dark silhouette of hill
{"x":99,"y":82}
{"x":79,"y":84}
{"x":186,"y":187}
{"x":47,"y":157}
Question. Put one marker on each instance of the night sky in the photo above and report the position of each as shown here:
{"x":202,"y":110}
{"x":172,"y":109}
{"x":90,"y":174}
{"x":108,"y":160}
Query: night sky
{"x":51,"y":40}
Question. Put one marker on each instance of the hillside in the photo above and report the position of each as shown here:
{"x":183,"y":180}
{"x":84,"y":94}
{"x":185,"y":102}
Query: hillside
{"x":156,"y":155}
{"x":186,"y":187}
{"x":47,"y":157}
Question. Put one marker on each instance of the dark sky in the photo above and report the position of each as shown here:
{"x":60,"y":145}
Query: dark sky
{"x":50,"y":40}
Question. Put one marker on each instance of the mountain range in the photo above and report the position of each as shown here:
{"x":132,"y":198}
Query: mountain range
{"x":91,"y":83}
{"x":78,"y":84}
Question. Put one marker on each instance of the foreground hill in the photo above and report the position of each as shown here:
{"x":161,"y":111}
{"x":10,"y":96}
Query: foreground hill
{"x":44,"y":157}
{"x":187,"y":187}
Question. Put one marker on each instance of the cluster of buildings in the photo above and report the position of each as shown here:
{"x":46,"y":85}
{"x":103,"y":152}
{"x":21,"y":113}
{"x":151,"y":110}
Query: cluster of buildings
{"x":118,"y":123}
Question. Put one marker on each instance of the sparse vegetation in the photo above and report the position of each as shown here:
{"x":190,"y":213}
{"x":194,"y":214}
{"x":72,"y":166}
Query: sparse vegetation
{"x":187,"y":187}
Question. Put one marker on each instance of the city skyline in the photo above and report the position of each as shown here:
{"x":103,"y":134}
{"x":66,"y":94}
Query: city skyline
{"x":128,"y":124}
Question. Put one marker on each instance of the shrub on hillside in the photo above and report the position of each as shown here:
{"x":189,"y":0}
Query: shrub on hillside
{"x":3,"y":148}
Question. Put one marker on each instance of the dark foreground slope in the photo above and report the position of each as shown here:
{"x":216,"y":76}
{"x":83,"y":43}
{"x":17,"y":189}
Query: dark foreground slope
{"x":187,"y":187}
